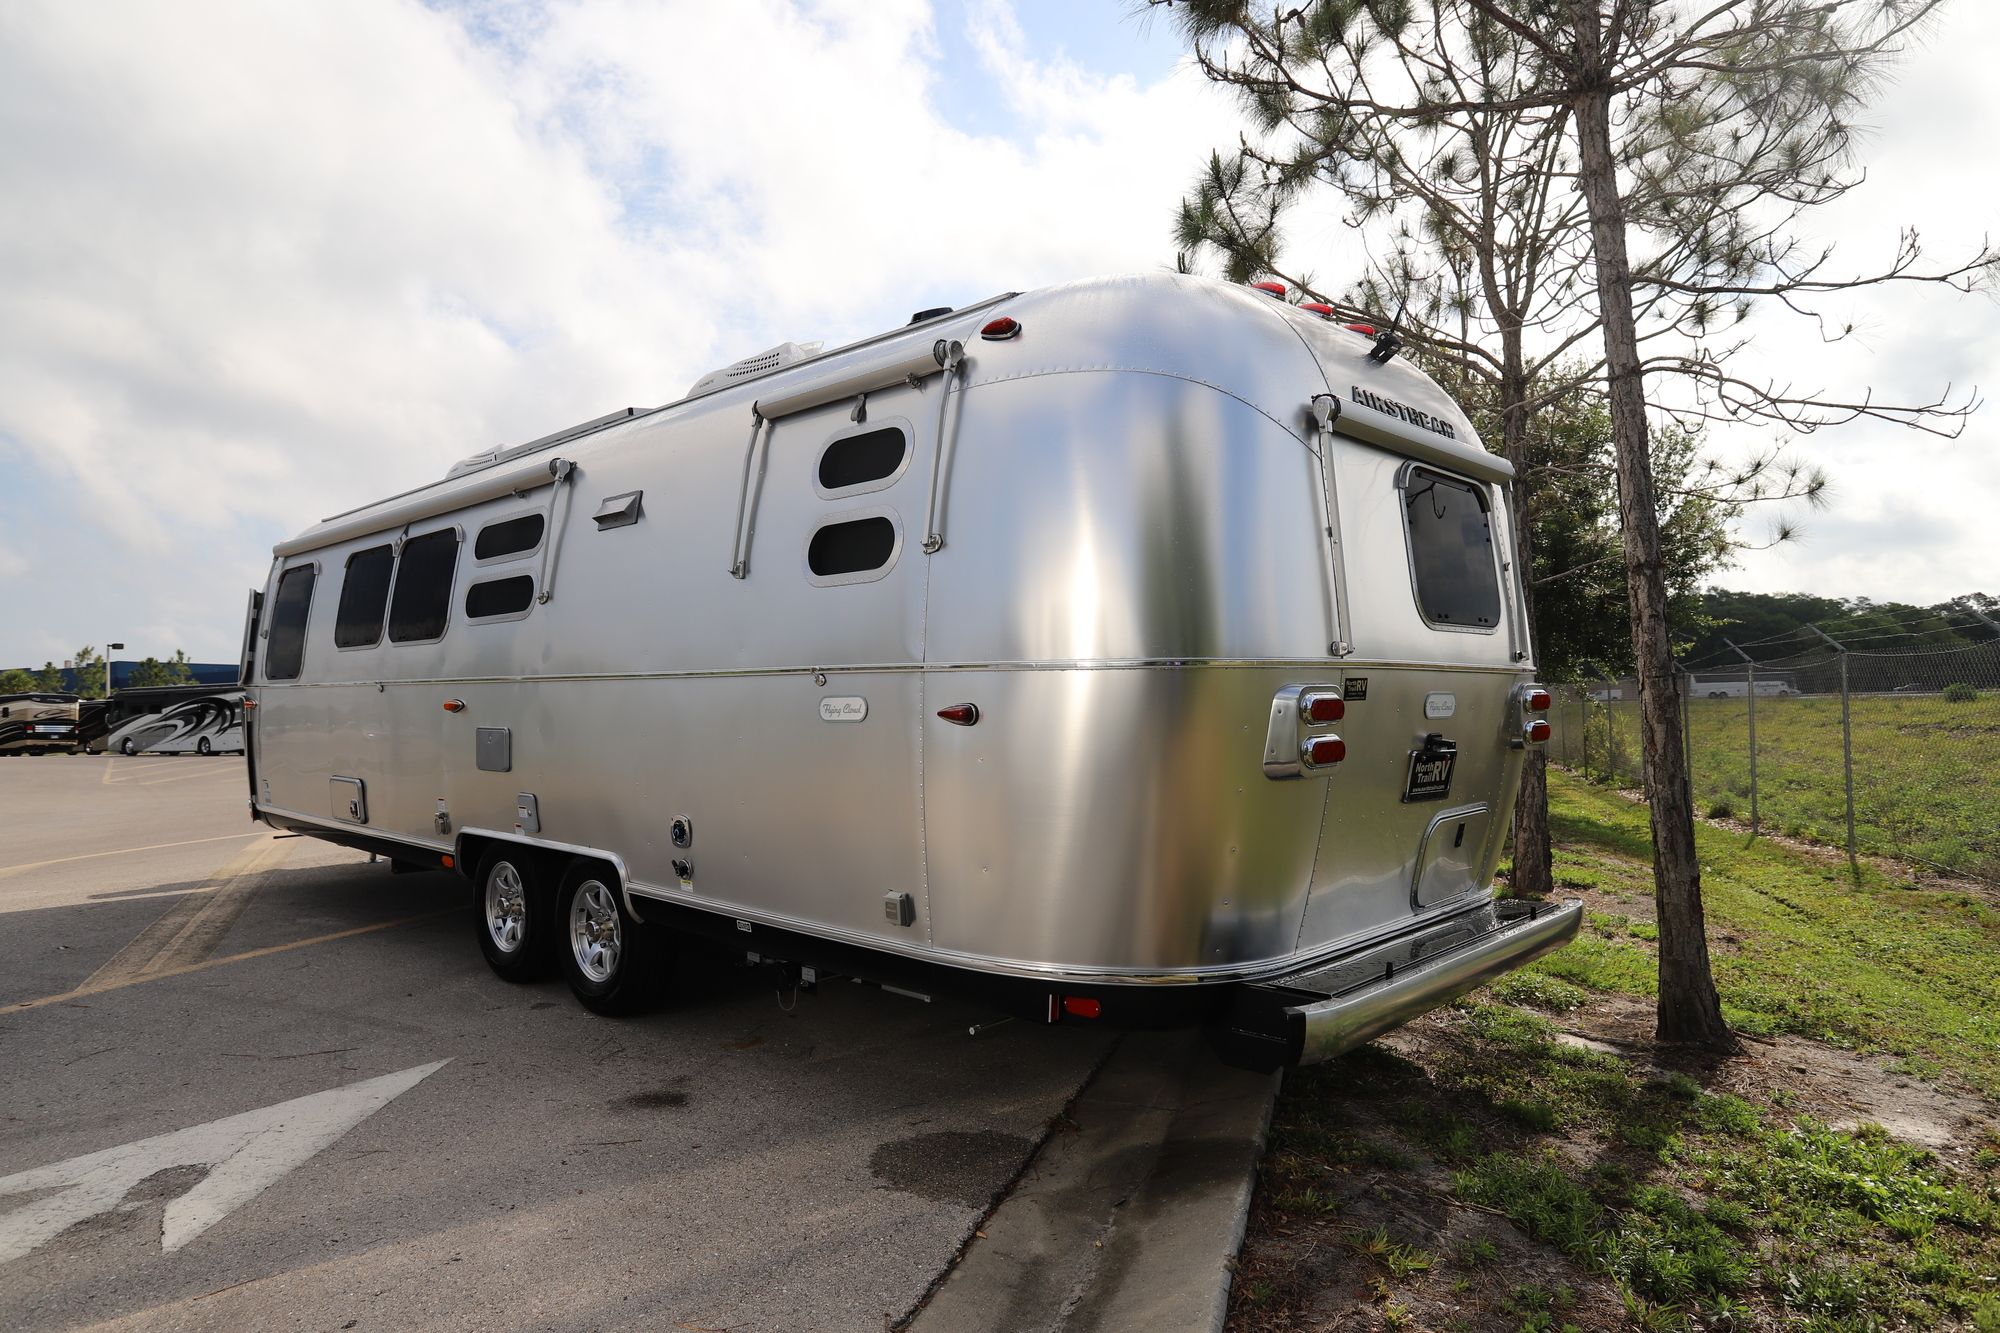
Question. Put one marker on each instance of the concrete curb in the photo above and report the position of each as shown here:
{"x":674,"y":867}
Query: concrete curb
{"x":1130,"y":1217}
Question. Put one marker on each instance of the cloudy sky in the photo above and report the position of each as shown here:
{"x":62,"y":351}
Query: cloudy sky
{"x":260,"y":263}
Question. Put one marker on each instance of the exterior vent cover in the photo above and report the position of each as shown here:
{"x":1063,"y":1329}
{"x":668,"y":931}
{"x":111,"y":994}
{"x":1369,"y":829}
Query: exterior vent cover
{"x":750,"y":367}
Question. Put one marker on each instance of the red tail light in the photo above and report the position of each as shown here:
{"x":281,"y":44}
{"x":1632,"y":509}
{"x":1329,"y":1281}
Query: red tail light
{"x":963,"y":715}
{"x":1276,"y":289}
{"x":1082,"y":1006}
{"x":1537,"y":731}
{"x":1537,"y":700}
{"x":1320,"y":709}
{"x":1000,"y":330}
{"x":1320,"y":751}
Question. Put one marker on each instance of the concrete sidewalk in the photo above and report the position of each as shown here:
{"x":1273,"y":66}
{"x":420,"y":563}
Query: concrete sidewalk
{"x":1130,"y":1215}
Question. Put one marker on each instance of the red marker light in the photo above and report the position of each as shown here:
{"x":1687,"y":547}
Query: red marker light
{"x":1538,"y":731}
{"x":1320,"y":709}
{"x":1320,"y":751}
{"x":1538,"y":700}
{"x":1001,"y":329}
{"x":454,"y":705}
{"x":960,"y":715}
{"x":1276,"y":289}
{"x":448,"y":861}
{"x":1082,"y":1006}
{"x":1319,"y":308}
{"x":1368,"y":329}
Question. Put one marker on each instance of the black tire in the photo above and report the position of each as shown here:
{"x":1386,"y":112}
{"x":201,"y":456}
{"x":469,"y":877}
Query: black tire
{"x":203,"y":747}
{"x":126,"y":747}
{"x":612,"y":963}
{"x":513,"y":913}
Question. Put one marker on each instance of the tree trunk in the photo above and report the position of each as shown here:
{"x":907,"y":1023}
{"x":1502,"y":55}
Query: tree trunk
{"x":1689,"y":1011}
{"x":1534,"y":874}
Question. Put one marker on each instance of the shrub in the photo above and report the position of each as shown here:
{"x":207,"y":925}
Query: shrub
{"x":1722,"y":808}
{"x":1958,"y":692}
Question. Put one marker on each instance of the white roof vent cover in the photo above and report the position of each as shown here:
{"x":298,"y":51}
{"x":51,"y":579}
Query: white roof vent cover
{"x":750,"y":367}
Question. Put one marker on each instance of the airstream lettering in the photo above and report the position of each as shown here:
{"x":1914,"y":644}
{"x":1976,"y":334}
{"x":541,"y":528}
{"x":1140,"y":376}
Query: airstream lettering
{"x":1072,"y":648}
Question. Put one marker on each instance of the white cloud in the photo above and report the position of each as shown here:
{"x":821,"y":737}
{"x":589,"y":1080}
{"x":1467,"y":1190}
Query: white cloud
{"x":260,"y":263}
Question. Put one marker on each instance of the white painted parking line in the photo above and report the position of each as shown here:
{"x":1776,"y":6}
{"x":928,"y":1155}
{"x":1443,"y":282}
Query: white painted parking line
{"x":242,"y":1154}
{"x":127,"y":851}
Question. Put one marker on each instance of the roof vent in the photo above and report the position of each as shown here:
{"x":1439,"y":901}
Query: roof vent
{"x":750,"y":367}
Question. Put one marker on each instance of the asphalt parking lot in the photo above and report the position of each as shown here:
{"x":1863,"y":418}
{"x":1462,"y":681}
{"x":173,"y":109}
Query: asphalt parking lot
{"x":249,"y":1081}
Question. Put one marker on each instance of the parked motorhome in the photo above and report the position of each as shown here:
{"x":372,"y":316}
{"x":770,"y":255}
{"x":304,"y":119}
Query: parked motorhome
{"x":174,"y":719}
{"x":37,"y":723}
{"x":1138,"y":651}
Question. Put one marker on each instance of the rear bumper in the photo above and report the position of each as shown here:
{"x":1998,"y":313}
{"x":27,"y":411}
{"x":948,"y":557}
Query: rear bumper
{"x":1316,"y":1015}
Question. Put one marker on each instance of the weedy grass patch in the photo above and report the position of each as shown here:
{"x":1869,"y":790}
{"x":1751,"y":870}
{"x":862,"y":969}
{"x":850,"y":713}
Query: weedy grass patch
{"x":1651,"y":1201}
{"x":1861,"y":961}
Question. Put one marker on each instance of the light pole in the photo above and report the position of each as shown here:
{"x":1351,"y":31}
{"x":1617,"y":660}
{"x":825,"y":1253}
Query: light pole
{"x":109,"y":649}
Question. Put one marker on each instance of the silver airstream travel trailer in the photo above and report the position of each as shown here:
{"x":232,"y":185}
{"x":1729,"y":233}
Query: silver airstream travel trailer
{"x":1142,"y":650}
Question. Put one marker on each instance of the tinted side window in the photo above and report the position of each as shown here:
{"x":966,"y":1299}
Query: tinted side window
{"x":510,"y":536}
{"x":1451,"y":551}
{"x":853,"y":547}
{"x":287,"y":650}
{"x":422,"y":601}
{"x":499,"y":597}
{"x":855,"y":460}
{"x":364,"y":597}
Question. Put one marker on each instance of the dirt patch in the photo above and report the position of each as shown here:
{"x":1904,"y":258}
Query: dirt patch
{"x":1391,"y":1248}
{"x":1842,"y":1088}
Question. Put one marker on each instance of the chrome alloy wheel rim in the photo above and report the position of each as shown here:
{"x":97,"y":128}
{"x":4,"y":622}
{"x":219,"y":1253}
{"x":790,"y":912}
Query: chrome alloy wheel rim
{"x":593,"y":930}
{"x":506,"y":907}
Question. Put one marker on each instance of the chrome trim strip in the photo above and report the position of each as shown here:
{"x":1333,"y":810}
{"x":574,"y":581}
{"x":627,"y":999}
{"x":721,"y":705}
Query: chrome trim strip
{"x":1343,"y":1022}
{"x":1322,"y":665}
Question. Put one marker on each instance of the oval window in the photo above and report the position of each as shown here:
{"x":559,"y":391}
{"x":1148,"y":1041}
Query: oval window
{"x":857,"y":546}
{"x":508,"y":537}
{"x":856,"y":460}
{"x":499,"y":597}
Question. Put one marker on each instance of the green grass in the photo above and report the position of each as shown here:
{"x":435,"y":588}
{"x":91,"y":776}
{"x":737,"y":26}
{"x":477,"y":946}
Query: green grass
{"x":1926,"y":781}
{"x":1700,"y":1209}
{"x":1697,"y":1202}
{"x":1861,"y":962}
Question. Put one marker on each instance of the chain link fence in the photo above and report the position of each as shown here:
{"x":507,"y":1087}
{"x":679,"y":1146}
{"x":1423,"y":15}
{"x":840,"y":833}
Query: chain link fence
{"x":1883,"y":753}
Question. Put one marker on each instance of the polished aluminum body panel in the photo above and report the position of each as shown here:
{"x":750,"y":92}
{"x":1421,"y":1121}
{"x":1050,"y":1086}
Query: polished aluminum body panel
{"x":1132,"y":563}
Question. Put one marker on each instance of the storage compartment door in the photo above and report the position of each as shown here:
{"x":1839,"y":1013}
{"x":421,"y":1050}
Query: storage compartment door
{"x":350,"y":799}
{"x":1454,"y":849}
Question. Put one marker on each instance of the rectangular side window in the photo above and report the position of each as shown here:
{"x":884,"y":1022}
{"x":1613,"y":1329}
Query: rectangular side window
{"x":1451,"y":550}
{"x":287,"y":650}
{"x":421,"y":604}
{"x":364,"y":597}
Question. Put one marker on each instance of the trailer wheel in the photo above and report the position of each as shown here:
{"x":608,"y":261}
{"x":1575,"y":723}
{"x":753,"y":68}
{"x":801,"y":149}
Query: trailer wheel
{"x":513,"y":911}
{"x":609,"y":959}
